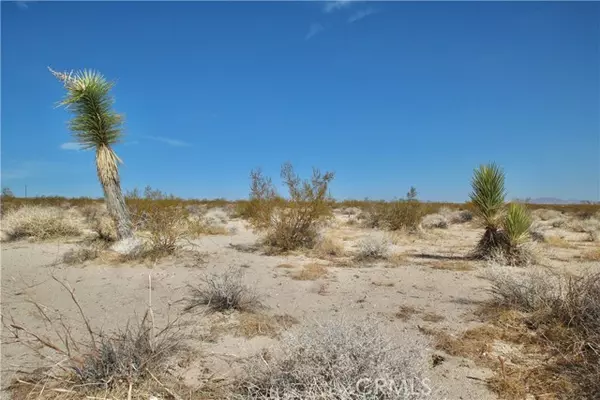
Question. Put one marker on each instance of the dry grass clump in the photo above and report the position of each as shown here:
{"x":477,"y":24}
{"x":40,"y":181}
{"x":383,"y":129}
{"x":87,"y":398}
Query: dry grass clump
{"x":289,"y":223}
{"x":199,"y":227}
{"x":591,"y":255}
{"x":372,"y":249}
{"x":223,"y":291}
{"x":310,"y":272}
{"x":406,"y":312}
{"x":328,"y":246}
{"x":434,"y":221}
{"x":547,"y":214}
{"x":84,"y":253}
{"x":114,"y":363}
{"x":338,"y":359}
{"x":557,"y":241}
{"x":591,"y":226}
{"x":533,"y":290}
{"x":456,"y":216}
{"x":100,"y":222}
{"x":250,"y":325}
{"x":41,"y":223}
{"x":450,"y":265}
{"x":564,"y":312}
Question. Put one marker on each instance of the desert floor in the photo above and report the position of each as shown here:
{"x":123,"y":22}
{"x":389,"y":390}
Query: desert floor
{"x":426,"y":282}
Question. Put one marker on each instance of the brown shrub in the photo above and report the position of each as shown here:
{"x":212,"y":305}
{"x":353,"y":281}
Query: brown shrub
{"x":165,"y":224}
{"x":289,"y":223}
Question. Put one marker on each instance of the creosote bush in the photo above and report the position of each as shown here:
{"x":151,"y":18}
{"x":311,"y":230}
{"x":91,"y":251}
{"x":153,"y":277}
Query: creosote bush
{"x":338,"y":359}
{"x":289,"y":223}
{"x":396,"y":215}
{"x":165,"y":224}
{"x":41,"y":222}
{"x":224,"y":291}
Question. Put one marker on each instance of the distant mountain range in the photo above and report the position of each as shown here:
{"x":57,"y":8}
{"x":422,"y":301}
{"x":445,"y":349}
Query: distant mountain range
{"x":554,"y":200}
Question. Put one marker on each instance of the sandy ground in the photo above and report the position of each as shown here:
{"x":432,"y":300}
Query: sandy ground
{"x":427,"y":274}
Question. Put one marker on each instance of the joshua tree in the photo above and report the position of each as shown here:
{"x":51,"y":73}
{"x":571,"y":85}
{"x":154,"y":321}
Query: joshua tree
{"x":7,"y":193}
{"x":97,"y":126}
{"x":488,"y":200}
{"x":506,"y":230}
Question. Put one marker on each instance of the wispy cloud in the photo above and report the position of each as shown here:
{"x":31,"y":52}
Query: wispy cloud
{"x":332,"y":6}
{"x":361,"y":14}
{"x":314,"y":30}
{"x":23,"y":4}
{"x":15,"y":173}
{"x":169,"y":141}
{"x":70,"y":146}
{"x":28,"y":169}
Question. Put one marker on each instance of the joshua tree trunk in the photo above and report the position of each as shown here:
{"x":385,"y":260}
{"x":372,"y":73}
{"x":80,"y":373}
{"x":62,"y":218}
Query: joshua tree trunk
{"x":106,"y":164}
{"x":115,"y":203}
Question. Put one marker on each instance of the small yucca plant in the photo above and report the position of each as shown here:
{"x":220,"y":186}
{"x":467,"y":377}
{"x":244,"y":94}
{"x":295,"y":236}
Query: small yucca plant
{"x":516,"y":227}
{"x":517,"y":224}
{"x":487,"y":199}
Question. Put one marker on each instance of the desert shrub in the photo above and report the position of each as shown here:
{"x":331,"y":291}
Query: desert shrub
{"x":200,"y":226}
{"x":222,"y":291}
{"x":165,"y":224}
{"x":404,"y":215}
{"x":591,"y":226}
{"x":395,"y":215}
{"x":536,"y":233}
{"x":100,"y":222}
{"x":82,"y":254}
{"x":565,"y":311}
{"x":547,"y":214}
{"x":459,"y":217}
{"x":329,"y":246}
{"x":434,"y":221}
{"x":289,"y":223}
{"x":105,"y":362}
{"x":41,"y":223}
{"x":329,"y":360}
{"x":375,"y":216}
{"x":372,"y":248}
{"x":534,"y":290}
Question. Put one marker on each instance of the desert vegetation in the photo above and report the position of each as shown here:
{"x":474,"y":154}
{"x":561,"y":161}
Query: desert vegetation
{"x":289,"y":223}
{"x":243,"y":277}
{"x":506,"y":227}
{"x":97,"y":126}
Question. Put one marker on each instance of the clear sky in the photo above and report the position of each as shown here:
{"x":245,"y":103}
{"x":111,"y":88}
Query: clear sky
{"x":387,"y":95}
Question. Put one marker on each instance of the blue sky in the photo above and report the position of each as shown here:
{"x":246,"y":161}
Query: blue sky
{"x":386,"y":94}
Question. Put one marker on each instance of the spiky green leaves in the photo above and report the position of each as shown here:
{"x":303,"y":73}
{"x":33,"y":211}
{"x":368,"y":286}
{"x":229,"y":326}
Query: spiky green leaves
{"x":95,"y":124}
{"x":517,"y":224}
{"x":488,"y":194}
